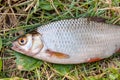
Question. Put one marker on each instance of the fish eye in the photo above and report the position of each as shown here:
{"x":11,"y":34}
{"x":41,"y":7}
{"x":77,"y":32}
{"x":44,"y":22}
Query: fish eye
{"x":22,"y":41}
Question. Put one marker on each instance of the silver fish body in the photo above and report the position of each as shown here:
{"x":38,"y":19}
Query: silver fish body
{"x":80,"y":39}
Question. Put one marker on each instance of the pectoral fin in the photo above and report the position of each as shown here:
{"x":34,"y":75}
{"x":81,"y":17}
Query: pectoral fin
{"x":57,"y":54}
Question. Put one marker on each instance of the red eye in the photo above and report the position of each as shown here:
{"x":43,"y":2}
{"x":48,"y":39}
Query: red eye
{"x":22,"y":41}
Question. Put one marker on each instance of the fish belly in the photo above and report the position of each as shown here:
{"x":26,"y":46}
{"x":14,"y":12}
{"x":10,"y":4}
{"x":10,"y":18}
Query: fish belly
{"x":81,"y":39}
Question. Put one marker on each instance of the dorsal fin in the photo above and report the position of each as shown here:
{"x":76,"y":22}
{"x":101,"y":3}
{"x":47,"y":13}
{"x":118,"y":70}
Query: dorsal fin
{"x":97,"y":19}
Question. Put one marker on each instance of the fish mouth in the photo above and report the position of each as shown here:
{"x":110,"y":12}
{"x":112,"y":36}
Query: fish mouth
{"x":18,"y":49}
{"x":14,"y":47}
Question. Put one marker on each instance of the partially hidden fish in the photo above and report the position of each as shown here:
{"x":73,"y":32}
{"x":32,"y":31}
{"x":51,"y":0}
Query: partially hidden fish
{"x":70,"y":41}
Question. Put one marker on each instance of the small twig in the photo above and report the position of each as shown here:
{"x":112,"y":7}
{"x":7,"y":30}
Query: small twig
{"x":66,"y":75}
{"x":14,"y":14}
{"x":20,"y":4}
{"x":112,"y":8}
{"x":69,"y":11}
{"x":9,"y":3}
{"x":51,"y":1}
{"x":116,"y":21}
{"x":31,"y":5}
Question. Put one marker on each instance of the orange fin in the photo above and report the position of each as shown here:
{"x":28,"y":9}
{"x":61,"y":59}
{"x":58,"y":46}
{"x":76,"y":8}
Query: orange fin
{"x":57,"y":54}
{"x":117,"y":51}
{"x":94,"y":59}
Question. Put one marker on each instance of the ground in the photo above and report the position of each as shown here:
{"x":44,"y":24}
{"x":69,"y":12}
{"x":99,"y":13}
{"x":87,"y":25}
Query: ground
{"x":18,"y":17}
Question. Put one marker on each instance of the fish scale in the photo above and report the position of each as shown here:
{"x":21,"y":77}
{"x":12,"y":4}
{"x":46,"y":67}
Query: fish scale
{"x":71,"y":36}
{"x":81,"y":39}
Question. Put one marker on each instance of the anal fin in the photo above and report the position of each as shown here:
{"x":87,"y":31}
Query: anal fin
{"x":117,"y":51}
{"x":94,"y":59}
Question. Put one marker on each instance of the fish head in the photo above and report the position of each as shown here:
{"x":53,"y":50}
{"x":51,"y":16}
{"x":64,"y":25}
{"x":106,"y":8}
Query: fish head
{"x":29,"y":44}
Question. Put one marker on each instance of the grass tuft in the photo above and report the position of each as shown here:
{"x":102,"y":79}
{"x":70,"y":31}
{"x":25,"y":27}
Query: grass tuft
{"x":18,"y":17}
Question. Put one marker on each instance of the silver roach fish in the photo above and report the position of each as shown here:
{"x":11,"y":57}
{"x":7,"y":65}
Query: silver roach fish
{"x":70,"y":41}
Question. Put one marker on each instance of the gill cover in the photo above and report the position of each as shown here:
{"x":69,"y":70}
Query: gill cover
{"x":29,"y":44}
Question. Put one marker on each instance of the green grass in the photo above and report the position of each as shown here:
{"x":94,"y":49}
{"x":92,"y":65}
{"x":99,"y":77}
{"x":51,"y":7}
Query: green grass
{"x":20,"y":17}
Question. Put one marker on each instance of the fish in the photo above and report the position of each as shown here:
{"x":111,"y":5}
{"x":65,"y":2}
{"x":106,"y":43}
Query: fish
{"x":70,"y":41}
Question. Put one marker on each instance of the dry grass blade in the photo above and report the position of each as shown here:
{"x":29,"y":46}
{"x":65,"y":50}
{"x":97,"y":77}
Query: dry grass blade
{"x":16,"y":14}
